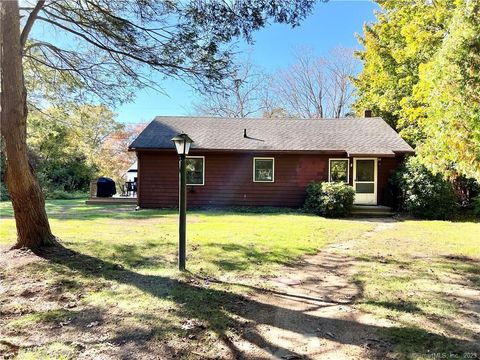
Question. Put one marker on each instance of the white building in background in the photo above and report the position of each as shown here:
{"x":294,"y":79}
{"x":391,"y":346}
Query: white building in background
{"x":131,"y":174}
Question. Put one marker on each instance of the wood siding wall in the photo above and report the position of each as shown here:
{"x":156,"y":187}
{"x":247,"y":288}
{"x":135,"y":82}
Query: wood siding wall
{"x":229,"y":179}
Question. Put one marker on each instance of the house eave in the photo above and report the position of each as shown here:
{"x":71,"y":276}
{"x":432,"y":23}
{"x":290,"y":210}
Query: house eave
{"x":272,"y":151}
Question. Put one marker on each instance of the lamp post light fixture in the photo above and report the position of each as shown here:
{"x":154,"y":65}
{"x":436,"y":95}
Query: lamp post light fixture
{"x":182,"y":144}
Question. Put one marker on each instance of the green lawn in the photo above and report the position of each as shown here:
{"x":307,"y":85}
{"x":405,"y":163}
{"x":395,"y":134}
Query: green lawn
{"x":219,"y":242}
{"x":126,"y":268}
{"x":425,"y":275}
{"x":120,"y":286}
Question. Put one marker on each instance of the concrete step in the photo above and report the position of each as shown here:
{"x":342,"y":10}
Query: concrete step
{"x":372,"y":211}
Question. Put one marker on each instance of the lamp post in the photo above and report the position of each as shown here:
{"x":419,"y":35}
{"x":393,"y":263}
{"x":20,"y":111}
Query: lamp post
{"x":182,"y":144}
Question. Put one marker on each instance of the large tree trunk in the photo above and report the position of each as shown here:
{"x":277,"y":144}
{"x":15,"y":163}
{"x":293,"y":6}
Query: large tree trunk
{"x":33,"y":229}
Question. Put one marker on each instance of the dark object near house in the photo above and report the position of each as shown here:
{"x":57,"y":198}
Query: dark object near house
{"x":105,"y":187}
{"x":131,"y":187}
{"x":266,"y":162}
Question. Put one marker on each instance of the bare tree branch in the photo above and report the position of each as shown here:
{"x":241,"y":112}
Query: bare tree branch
{"x":31,"y":19}
{"x":316,"y":87}
{"x":240,"y":97}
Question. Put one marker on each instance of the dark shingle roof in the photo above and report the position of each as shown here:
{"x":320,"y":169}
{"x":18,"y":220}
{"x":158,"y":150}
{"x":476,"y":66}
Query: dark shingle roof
{"x":355,"y":136}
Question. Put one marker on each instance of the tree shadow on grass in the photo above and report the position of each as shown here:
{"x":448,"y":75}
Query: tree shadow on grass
{"x":220,"y":309}
{"x":68,"y":209}
{"x":134,"y":256}
{"x":383,"y":260}
{"x":400,"y":305}
{"x":115,"y":212}
{"x":468,"y":267}
{"x":238,"y":257}
{"x":139,"y":255}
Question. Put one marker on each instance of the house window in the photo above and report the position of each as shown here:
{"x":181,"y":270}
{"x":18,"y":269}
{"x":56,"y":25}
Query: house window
{"x":263,"y":169}
{"x":338,"y":170}
{"x":195,"y":170}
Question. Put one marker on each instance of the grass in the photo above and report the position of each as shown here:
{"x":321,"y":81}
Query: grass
{"x":219,"y":242}
{"x":123,"y":275}
{"x":421,"y":275}
{"x":120,"y":287}
{"x":431,"y":238}
{"x":38,"y":317}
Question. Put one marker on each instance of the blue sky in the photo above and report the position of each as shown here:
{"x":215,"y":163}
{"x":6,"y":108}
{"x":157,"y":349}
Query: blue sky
{"x":331,"y":24}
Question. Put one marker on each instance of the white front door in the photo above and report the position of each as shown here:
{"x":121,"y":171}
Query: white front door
{"x":365,"y":180}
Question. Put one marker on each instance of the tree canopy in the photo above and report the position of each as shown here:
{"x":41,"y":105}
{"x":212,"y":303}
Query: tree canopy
{"x":449,"y":93}
{"x":111,"y":47}
{"x":421,"y":73}
{"x":70,"y":145}
{"x":405,"y":35}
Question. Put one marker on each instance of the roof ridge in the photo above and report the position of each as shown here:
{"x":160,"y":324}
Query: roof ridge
{"x":263,"y":118}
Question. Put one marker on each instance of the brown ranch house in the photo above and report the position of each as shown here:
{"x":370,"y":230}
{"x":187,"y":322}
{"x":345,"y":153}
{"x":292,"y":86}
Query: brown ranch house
{"x":266,"y":162}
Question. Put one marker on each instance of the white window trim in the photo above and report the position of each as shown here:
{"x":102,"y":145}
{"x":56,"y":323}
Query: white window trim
{"x":348,"y":168}
{"x":273,"y":169}
{"x":203,"y":172}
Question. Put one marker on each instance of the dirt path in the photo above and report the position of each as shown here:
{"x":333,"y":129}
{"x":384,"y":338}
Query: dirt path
{"x":313,"y":314}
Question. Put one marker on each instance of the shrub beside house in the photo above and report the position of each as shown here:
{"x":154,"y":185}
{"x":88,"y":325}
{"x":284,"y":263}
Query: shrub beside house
{"x":330,"y":199}
{"x":425,"y":195}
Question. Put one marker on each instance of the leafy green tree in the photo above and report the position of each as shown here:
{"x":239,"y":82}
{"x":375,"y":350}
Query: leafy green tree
{"x":111,"y":48}
{"x":405,"y":35}
{"x":67,"y":142}
{"x":421,"y":73}
{"x":65,"y":138}
{"x":449,"y":89}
